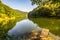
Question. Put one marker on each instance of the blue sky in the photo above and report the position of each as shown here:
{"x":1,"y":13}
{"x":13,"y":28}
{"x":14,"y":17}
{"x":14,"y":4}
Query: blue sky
{"x":23,"y":5}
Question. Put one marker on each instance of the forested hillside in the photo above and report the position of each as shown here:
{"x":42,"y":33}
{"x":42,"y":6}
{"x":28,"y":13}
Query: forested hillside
{"x":8,"y":18}
{"x":48,"y":9}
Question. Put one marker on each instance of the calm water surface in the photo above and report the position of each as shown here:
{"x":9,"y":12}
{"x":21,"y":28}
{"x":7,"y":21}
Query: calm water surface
{"x":22,"y":27}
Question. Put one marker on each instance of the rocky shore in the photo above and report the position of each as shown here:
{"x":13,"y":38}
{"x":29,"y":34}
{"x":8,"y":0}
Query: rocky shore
{"x":44,"y":34}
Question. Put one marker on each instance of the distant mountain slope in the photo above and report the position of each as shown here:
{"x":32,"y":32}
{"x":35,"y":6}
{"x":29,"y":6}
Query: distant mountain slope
{"x":7,"y":10}
{"x":7,"y":13}
{"x":8,"y":19}
{"x":20,"y":11}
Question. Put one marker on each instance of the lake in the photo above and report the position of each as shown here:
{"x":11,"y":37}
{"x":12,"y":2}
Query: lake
{"x":27,"y":25}
{"x":22,"y":27}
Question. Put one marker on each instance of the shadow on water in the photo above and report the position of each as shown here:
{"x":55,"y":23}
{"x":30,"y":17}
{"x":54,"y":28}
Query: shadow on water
{"x":22,"y":27}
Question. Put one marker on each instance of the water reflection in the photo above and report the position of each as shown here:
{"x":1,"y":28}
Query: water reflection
{"x":24,"y":26}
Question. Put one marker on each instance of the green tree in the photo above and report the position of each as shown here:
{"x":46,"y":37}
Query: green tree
{"x":48,"y":8}
{"x":35,"y":2}
{"x":38,"y":2}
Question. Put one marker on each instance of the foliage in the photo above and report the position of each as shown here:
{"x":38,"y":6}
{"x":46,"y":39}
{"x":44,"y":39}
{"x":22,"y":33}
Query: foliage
{"x":55,"y":1}
{"x":46,"y":10}
{"x":39,"y":2}
{"x":8,"y":19}
{"x":35,"y":2}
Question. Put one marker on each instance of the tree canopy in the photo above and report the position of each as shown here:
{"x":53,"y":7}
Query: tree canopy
{"x":8,"y":19}
{"x":48,"y":8}
{"x":38,"y":2}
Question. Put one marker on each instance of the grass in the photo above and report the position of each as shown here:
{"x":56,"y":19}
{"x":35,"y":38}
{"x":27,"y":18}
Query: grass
{"x":51,"y":23}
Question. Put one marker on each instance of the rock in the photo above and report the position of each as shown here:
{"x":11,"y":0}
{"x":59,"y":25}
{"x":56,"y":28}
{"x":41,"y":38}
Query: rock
{"x":44,"y":32}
